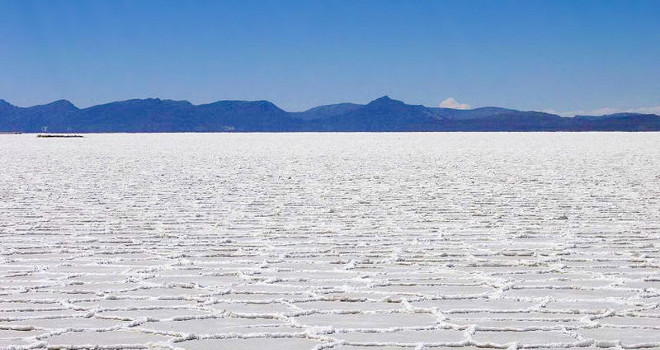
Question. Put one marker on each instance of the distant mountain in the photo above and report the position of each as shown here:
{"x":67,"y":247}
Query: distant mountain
{"x":36,"y":118}
{"x":381,"y":115}
{"x":150,"y":115}
{"x":243,"y":116}
{"x":511,"y":120}
{"x":462,"y":114}
{"x":617,"y":122}
{"x":328,"y":111}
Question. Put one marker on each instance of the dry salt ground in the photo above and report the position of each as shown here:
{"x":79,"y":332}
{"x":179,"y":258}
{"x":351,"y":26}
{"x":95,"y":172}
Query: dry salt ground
{"x":330,"y":241}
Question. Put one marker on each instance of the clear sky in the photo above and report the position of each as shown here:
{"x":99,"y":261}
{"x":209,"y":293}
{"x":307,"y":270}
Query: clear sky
{"x":555,"y":55}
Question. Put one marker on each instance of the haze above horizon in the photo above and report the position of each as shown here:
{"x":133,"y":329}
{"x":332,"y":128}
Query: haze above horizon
{"x":559,"y":56}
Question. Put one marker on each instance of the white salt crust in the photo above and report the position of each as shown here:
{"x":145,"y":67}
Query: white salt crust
{"x":330,"y":241}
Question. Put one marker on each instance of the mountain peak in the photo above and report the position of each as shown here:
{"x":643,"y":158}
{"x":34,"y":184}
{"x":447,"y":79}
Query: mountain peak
{"x":385,"y":100}
{"x":6,"y":107}
{"x":56,"y":106}
{"x":63,"y":104}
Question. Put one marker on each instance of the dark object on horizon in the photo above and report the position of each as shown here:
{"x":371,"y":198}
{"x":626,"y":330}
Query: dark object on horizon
{"x":381,"y":115}
{"x":58,"y":135}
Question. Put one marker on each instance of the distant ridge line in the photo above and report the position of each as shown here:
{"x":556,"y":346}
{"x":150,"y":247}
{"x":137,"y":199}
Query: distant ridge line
{"x":381,"y":115}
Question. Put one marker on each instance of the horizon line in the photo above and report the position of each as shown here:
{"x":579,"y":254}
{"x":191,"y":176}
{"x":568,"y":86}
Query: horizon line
{"x":596,"y":112}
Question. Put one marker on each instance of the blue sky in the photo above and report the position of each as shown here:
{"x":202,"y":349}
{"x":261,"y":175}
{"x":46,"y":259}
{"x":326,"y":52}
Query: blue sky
{"x":554,"y":55}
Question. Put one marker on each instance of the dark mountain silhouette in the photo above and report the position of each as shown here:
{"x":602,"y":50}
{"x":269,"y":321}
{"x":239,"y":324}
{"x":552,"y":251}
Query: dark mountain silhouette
{"x":243,"y":116}
{"x":510,"y":121}
{"x":150,"y":115}
{"x":35,"y":118}
{"x":383,"y":114}
{"x":617,"y":122}
{"x":380,"y":115}
{"x":327,"y":111}
{"x":461,"y":114}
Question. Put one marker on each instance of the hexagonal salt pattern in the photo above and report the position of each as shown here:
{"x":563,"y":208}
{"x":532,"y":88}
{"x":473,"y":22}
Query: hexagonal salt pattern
{"x":330,"y":241}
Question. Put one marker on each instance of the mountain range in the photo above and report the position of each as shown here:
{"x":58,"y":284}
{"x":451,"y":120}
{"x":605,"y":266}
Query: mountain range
{"x":381,"y":115}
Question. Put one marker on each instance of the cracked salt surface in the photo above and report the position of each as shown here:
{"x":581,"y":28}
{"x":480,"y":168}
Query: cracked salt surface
{"x":330,"y":241}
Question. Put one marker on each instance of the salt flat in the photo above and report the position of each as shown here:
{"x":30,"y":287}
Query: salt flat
{"x":330,"y":241}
